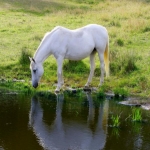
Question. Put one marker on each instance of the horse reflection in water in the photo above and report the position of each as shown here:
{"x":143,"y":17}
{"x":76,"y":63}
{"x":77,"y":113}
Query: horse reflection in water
{"x":72,"y":135}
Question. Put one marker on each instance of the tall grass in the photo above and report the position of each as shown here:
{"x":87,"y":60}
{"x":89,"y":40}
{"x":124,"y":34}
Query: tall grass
{"x":24,"y":58}
{"x":123,"y":61}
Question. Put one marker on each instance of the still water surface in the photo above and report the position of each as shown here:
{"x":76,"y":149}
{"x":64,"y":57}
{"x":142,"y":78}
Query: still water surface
{"x":60,"y":122}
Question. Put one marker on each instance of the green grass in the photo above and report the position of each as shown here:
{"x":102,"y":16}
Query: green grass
{"x":24,"y":23}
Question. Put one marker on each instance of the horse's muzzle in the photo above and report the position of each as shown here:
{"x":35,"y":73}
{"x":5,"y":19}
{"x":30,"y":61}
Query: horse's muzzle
{"x":35,"y":85}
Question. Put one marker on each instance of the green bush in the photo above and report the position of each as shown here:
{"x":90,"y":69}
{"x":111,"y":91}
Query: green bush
{"x":122,"y":61}
{"x":24,"y":58}
{"x":120,"y":42}
{"x":121,"y":91}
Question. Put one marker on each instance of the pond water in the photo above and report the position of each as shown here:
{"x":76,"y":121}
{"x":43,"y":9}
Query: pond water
{"x":61,"y":122}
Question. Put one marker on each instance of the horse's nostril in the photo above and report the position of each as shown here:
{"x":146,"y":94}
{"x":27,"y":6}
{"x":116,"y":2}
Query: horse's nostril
{"x":35,"y":85}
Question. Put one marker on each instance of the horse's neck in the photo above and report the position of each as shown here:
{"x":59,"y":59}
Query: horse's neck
{"x":43,"y":51}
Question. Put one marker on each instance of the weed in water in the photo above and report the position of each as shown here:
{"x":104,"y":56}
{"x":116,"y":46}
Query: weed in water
{"x":115,"y":121}
{"x":136,"y":127}
{"x":115,"y":132}
{"x":136,"y":115}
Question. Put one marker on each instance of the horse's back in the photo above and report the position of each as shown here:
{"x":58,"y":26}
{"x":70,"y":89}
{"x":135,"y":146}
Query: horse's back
{"x":97,"y":31}
{"x":91,"y":29}
{"x":79,"y":43}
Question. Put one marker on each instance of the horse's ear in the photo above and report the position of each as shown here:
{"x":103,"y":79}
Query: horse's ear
{"x":32,"y":59}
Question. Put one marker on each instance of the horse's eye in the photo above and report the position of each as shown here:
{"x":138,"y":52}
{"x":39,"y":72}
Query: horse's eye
{"x":34,"y":70}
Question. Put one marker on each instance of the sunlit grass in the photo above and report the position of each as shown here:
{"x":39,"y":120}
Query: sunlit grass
{"x":24,"y":23}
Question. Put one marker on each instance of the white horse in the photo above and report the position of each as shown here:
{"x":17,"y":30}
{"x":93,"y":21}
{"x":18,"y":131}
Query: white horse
{"x":69,"y":44}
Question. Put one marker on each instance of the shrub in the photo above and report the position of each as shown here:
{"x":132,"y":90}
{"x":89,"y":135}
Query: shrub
{"x":24,"y":58}
{"x":121,"y":91}
{"x":122,"y":61}
{"x":120,"y":42}
{"x":146,"y":29}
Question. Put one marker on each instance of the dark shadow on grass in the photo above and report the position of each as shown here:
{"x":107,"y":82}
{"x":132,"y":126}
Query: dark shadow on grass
{"x":75,"y":67}
{"x":39,"y":7}
{"x":15,"y":71}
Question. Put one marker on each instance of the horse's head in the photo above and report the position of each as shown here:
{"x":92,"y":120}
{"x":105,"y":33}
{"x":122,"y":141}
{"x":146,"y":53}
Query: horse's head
{"x":36,"y":72}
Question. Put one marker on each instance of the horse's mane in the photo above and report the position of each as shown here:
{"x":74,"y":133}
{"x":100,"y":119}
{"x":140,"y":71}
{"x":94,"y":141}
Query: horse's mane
{"x":45,"y":36}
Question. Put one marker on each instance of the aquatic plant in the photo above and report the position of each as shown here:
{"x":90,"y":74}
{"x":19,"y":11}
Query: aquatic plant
{"x":115,"y":121}
{"x":115,"y":132}
{"x":136,"y":114}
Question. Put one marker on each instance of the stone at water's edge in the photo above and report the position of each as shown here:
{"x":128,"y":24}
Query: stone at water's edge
{"x":90,"y":89}
{"x":73,"y":90}
{"x":146,"y":106}
{"x":130,"y":103}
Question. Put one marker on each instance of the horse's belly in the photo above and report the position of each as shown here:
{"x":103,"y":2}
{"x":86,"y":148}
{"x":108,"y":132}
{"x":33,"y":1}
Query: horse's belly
{"x":80,"y":47}
{"x":78,"y":54}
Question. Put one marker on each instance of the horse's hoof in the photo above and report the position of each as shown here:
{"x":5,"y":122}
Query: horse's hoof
{"x":87,"y":88}
{"x":57,"y":91}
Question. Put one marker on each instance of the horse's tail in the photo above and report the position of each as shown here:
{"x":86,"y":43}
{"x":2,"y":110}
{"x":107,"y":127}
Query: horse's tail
{"x":106,"y":59}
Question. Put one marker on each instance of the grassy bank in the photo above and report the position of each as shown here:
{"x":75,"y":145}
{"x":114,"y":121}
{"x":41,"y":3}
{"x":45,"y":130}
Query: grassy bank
{"x":24,"y":23}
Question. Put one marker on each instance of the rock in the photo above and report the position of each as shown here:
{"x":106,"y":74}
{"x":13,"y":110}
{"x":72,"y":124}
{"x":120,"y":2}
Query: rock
{"x":15,"y":80}
{"x":129,"y":104}
{"x":146,"y":106}
{"x":73,"y":90}
{"x":11,"y":93}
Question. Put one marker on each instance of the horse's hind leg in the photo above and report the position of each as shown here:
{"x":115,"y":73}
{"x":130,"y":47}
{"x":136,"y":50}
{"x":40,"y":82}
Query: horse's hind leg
{"x":101,"y":57}
{"x":92,"y":68}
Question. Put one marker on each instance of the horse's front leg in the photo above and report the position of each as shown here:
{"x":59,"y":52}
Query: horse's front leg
{"x":59,"y":73}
